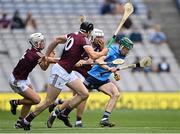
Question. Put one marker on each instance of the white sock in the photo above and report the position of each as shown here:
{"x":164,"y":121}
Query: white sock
{"x":78,"y":122}
{"x":104,"y":119}
{"x":56,"y":102}
{"x":26,"y":122}
{"x":54,"y":114}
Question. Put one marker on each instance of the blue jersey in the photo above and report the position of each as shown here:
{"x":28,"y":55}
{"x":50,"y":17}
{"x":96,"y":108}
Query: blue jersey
{"x":113,"y":53}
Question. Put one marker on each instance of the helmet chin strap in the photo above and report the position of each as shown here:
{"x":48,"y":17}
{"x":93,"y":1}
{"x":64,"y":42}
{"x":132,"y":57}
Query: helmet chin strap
{"x":121,"y":47}
{"x":34,"y":46}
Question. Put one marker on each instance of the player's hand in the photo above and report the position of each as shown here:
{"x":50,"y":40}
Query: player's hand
{"x":80,"y":63}
{"x":105,"y":51}
{"x":52,"y":54}
{"x":100,"y":42}
{"x":117,"y":77}
{"x":113,"y":69}
{"x":43,"y":60}
{"x":89,"y":61}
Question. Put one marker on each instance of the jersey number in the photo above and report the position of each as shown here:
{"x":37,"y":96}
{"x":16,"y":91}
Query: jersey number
{"x":69,"y":44}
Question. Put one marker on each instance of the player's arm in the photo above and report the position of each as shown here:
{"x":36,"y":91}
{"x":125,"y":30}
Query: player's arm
{"x":101,"y":60}
{"x":58,"y":40}
{"x":44,"y":61}
{"x":81,"y":62}
{"x":94,"y":55}
{"x":52,"y":58}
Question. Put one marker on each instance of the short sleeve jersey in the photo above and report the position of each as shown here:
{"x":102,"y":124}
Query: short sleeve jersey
{"x":113,"y":53}
{"x":26,"y":64}
{"x":73,"y":50}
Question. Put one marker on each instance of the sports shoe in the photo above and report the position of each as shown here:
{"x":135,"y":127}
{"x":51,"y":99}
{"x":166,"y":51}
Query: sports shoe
{"x":79,"y":125}
{"x":25,"y":126}
{"x":65,"y":120}
{"x":13,"y":107}
{"x":51,"y":107}
{"x":106,"y":123}
{"x":50,"y":120}
{"x":18,"y":124}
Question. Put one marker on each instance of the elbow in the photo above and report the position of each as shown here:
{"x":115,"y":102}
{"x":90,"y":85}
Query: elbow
{"x":59,"y":40}
{"x":56,"y":41}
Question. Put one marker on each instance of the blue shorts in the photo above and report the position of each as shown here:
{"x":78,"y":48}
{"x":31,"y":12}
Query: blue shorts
{"x":93,"y":83}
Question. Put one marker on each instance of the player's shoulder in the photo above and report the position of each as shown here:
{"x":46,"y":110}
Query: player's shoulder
{"x":33,"y":53}
{"x":114,"y":49}
{"x":79,"y":38}
{"x":77,"y":34}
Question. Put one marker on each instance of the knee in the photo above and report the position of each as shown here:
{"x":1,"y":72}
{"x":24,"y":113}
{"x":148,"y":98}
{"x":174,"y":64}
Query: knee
{"x":85,"y":95}
{"x":116,"y":95}
{"x":37,"y":100}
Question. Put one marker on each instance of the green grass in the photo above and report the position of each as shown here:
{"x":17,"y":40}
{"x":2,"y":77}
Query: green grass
{"x":127,"y":121}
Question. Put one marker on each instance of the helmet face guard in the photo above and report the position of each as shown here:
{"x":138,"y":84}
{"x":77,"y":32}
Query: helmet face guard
{"x":86,"y":27}
{"x":36,"y":38}
{"x":96,"y":33}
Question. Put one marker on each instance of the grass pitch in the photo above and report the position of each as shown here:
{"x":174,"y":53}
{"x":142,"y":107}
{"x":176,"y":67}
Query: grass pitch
{"x":127,"y":121}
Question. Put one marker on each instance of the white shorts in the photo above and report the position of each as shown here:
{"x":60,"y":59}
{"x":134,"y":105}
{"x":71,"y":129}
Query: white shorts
{"x":59,"y":77}
{"x":19,"y":85}
{"x":80,"y":76}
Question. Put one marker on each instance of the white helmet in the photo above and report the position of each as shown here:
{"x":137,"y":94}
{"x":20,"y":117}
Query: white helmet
{"x":96,"y":33}
{"x":35,"y":38}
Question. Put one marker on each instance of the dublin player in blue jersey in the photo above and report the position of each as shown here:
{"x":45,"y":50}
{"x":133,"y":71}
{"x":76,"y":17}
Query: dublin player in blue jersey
{"x":102,"y":83}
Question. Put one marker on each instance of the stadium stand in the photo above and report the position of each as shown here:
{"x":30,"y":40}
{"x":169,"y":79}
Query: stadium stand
{"x":54,"y":17}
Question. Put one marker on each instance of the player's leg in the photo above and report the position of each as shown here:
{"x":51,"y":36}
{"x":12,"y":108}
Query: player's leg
{"x":74,"y":83}
{"x":81,"y":94}
{"x":79,"y":113}
{"x":24,"y":111}
{"x":26,"y":108}
{"x":111,"y":90}
{"x":64,"y":110}
{"x":30,"y":98}
{"x":52,"y":94}
{"x":56,"y":112}
{"x":80,"y":108}
{"x":56,"y":102}
{"x":24,"y":88}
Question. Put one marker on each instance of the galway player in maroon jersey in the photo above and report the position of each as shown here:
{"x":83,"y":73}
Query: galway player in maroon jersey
{"x":19,"y":80}
{"x":97,"y":39}
{"x":61,"y":73}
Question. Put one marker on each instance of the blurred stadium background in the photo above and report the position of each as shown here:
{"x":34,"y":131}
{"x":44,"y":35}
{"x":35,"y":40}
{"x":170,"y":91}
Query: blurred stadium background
{"x":154,"y":27}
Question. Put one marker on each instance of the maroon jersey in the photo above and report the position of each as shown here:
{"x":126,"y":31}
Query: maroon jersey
{"x":26,"y":64}
{"x":73,"y":50}
{"x":84,"y":69}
